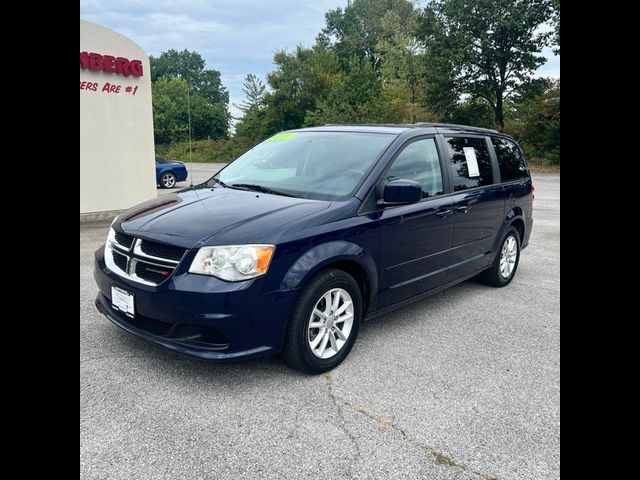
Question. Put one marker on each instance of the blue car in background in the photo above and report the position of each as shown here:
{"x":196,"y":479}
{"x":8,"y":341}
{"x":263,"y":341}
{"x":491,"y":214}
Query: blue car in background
{"x":169,"y":172}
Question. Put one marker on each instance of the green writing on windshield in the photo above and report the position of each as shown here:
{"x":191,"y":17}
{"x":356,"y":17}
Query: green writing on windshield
{"x":281,"y":137}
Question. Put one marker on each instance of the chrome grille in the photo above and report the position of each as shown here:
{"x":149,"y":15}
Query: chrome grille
{"x":120,"y":260}
{"x":159,"y":250}
{"x":124,"y":239}
{"x":142,"y":261}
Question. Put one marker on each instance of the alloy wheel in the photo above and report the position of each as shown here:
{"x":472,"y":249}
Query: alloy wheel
{"x":508,"y":256}
{"x":330,"y":323}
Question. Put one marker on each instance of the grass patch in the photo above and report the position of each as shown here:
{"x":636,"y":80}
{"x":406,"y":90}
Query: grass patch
{"x":543,"y":165}
{"x":204,"y":151}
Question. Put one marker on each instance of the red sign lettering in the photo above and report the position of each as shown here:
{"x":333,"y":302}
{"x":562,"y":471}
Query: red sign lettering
{"x":111,"y":88}
{"x":108,"y":87}
{"x":110,"y":64}
{"x":93,"y":86}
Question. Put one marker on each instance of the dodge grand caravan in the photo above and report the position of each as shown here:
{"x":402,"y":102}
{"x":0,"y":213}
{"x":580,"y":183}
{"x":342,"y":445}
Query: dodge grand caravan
{"x":290,"y":247}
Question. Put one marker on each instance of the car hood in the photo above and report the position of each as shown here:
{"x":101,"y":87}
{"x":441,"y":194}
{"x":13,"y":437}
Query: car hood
{"x":214,"y":216}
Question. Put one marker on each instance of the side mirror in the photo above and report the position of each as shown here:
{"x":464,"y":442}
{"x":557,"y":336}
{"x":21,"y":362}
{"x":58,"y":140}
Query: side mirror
{"x":400,"y":192}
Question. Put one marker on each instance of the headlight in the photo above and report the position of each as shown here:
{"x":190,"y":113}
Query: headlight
{"x":233,"y":263}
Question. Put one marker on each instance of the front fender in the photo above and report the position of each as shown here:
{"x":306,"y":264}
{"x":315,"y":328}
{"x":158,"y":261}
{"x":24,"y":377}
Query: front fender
{"x":324,"y":254}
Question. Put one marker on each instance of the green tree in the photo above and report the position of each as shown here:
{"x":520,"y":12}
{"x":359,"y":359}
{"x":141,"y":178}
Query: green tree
{"x":191,"y":67}
{"x":174,"y":64}
{"x":169,"y":94}
{"x":254,"y":90}
{"x":442,"y":92}
{"x":535,"y":122}
{"x":174,"y":74}
{"x":251,"y":125}
{"x":208,"y":120}
{"x":357,"y":29}
{"x":402,"y":69}
{"x":301,"y":80}
{"x":472,"y":111}
{"x":355,"y":98}
{"x":211,"y":89}
{"x":171,"y":113}
{"x":490,"y":47}
{"x":556,"y":25}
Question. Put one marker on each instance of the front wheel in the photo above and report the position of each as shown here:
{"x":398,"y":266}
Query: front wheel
{"x":506,"y":262}
{"x":167,"y":180}
{"x":324,"y":322}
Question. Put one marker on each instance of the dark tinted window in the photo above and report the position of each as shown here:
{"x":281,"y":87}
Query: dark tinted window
{"x":419,"y":162}
{"x":510,"y":159}
{"x":161,"y":160}
{"x":470,"y":161}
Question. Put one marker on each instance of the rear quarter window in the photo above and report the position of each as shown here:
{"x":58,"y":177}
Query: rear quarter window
{"x":510,"y":159}
{"x":470,"y":162}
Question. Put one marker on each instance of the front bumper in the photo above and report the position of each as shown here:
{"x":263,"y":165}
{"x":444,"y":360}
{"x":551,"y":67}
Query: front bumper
{"x":198,"y":315}
{"x":181,"y":174}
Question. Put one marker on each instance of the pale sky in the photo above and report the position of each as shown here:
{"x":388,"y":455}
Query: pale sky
{"x":235,"y":37}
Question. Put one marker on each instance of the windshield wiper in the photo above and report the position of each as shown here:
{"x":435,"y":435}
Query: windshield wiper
{"x":260,"y":188}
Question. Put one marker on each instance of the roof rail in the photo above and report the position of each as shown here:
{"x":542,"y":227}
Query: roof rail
{"x":392,"y":125}
{"x":413,"y":125}
{"x":453,"y":125}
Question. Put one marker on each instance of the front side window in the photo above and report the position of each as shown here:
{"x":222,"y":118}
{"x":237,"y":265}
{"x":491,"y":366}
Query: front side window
{"x":470,"y":161}
{"x":510,"y":159}
{"x":315,"y":165}
{"x":419,"y":161}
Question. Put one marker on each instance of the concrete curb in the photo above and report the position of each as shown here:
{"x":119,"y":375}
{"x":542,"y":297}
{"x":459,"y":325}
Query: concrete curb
{"x":99,"y":216}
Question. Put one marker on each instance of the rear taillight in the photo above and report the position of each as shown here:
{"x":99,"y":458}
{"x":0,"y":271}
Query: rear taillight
{"x":533,"y":192}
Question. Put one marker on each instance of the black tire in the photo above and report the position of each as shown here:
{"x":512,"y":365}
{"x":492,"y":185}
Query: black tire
{"x":297,"y":352}
{"x":493,"y":275}
{"x":167,"y":180}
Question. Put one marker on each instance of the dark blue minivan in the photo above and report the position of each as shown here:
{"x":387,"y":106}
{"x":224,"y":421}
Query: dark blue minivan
{"x":289,"y":248}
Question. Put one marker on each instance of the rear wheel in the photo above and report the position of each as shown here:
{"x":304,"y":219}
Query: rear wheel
{"x":324,"y":322}
{"x":167,"y":180}
{"x":506,"y":262}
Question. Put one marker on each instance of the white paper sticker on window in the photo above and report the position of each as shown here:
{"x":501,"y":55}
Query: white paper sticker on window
{"x":472,"y":161}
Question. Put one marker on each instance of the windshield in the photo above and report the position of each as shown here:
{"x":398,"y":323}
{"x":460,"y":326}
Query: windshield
{"x":315,"y":165}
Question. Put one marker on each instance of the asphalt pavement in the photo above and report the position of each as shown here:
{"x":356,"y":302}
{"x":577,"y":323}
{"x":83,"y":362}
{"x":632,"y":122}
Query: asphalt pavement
{"x":462,"y":385}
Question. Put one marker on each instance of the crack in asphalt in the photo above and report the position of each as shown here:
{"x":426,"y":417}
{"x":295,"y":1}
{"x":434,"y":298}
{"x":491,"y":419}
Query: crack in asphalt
{"x":439,"y":457}
{"x":342,"y":426}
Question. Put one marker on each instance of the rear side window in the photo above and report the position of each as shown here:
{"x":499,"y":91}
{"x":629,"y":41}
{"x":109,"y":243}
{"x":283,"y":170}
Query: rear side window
{"x":419,"y":161}
{"x":470,"y":162}
{"x":510,"y":159}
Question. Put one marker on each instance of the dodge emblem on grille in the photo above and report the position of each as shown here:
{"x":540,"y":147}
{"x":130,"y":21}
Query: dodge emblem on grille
{"x":164,"y":273}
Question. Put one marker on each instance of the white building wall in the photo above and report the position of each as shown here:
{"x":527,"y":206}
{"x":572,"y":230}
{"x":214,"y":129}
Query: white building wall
{"x":117,"y":166}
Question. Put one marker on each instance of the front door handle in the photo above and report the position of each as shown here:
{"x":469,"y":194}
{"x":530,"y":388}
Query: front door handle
{"x":463,"y":209}
{"x":444,"y":213}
